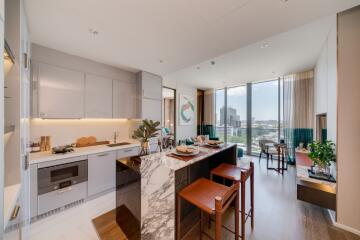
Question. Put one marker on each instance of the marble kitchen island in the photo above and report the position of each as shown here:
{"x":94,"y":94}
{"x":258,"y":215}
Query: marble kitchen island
{"x":162,"y":176}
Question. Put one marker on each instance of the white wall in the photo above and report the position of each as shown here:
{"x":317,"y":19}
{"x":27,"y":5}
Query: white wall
{"x":325,"y":82}
{"x":66,"y":131}
{"x":1,"y":118}
{"x":348,"y":190}
{"x":183,"y":132}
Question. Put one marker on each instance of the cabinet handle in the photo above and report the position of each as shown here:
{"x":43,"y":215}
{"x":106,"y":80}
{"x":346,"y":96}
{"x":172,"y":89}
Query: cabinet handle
{"x":103,"y":155}
{"x":127,"y":150}
{"x":64,"y":190}
{"x":15,"y":212}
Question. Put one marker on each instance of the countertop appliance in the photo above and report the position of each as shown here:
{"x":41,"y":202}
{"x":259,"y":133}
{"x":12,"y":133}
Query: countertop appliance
{"x":62,"y":184}
{"x":62,"y":149}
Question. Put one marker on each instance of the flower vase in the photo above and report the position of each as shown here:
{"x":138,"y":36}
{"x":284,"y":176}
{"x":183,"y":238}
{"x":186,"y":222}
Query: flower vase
{"x":145,"y":148}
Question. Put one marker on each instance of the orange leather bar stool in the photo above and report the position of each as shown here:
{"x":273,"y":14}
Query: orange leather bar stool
{"x":212,"y":198}
{"x":239,"y":175}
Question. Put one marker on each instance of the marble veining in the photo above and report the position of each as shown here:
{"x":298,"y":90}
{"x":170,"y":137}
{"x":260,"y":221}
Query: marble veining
{"x":158,"y":192}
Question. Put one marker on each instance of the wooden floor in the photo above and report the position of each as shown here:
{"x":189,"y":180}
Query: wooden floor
{"x":278,"y":214}
{"x":128,"y":227}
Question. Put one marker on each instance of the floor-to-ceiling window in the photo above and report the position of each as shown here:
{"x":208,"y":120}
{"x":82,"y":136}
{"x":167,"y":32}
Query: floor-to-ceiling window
{"x":265,"y":122}
{"x":236,"y":115}
{"x":219,"y":113}
{"x":265,"y":113}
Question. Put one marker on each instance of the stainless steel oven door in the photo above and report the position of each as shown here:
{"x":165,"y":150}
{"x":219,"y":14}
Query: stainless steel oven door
{"x":61,"y":176}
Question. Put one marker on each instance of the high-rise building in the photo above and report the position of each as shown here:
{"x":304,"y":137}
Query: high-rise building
{"x":233,"y":119}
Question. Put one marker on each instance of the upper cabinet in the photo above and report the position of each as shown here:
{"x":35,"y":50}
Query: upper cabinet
{"x":61,"y":92}
{"x":149,"y":89}
{"x":150,"y":85}
{"x":68,"y":87}
{"x":98,"y":97}
{"x":124,"y":99}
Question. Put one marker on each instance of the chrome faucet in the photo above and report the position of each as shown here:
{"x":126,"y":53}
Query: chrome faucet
{"x":115,"y":136}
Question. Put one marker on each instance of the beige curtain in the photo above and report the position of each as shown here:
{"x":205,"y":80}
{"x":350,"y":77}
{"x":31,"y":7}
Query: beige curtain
{"x":298,"y":110}
{"x":299,"y":100}
{"x":209,"y":107}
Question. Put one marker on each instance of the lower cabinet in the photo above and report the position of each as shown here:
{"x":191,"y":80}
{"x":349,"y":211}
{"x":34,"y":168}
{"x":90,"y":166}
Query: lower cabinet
{"x":101,"y":172}
{"x":59,"y":198}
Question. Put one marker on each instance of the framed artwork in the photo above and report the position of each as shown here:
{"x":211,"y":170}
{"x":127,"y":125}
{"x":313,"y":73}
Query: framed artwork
{"x":187,"y":110}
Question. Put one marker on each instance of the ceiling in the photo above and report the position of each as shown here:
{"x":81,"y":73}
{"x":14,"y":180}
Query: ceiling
{"x":290,"y":52}
{"x":164,"y":36}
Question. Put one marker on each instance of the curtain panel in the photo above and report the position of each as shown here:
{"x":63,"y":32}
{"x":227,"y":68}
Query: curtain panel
{"x":298,"y":110}
{"x":208,"y":127}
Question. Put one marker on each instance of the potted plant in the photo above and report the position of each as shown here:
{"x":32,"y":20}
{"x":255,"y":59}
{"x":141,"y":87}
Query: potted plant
{"x":322,"y":154}
{"x":148,"y":129}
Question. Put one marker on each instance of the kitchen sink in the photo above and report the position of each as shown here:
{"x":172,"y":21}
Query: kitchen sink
{"x":118,"y":144}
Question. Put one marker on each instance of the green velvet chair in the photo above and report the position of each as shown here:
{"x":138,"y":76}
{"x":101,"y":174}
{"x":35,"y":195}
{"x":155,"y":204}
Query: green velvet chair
{"x":240,"y":152}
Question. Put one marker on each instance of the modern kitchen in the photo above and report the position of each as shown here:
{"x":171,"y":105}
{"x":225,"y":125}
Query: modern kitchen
{"x":78,"y":128}
{"x":127,"y":120}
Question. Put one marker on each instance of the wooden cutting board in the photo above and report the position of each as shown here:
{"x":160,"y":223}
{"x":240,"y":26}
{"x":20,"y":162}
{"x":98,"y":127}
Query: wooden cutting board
{"x":89,"y":141}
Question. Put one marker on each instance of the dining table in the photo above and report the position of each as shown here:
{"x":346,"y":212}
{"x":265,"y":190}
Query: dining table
{"x":280,"y":148}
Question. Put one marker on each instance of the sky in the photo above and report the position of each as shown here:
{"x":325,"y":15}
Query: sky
{"x":264,"y":100}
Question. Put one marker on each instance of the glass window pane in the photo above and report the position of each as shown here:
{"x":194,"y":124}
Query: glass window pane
{"x":282,"y":136}
{"x":236,"y":116}
{"x":220,"y":105}
{"x":264,"y":122}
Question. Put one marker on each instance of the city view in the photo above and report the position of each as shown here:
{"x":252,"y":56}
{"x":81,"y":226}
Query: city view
{"x":236,"y":129}
{"x":264,"y":122}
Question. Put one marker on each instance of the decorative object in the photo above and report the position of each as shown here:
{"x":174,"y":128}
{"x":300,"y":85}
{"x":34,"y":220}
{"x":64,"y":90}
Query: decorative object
{"x":148,"y":129}
{"x":187,"y":110}
{"x":322,"y":154}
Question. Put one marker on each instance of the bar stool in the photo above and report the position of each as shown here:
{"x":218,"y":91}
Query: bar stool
{"x":212,"y":198}
{"x":238,"y":174}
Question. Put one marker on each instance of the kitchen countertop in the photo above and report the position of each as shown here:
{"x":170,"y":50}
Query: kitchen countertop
{"x":158,"y":191}
{"x":176,"y":164}
{"x":48,"y":156}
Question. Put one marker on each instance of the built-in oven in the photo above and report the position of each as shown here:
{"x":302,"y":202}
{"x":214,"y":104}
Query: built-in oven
{"x":61,"y":176}
{"x":61,"y":185}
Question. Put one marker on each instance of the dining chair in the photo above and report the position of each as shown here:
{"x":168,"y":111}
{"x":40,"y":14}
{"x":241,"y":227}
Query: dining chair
{"x":269,"y":152}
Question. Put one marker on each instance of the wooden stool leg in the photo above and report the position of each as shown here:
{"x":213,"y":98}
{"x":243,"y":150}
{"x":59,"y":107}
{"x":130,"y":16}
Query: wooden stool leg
{"x":209,"y":222}
{"x":237,"y":199}
{"x":178,"y":218}
{"x":218,"y":218}
{"x":252,"y":195}
{"x":243,"y":210}
{"x":218,"y":225}
{"x":201,"y":223}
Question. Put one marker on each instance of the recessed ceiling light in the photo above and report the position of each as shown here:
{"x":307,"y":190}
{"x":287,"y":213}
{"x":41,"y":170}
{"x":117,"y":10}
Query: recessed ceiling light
{"x":264,"y":45}
{"x":93,"y":31}
{"x":212,"y":62}
{"x":198,"y":68}
{"x":284,"y":1}
{"x":161,"y":61}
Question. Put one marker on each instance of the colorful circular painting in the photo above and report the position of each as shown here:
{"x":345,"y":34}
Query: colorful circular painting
{"x":187,"y":110}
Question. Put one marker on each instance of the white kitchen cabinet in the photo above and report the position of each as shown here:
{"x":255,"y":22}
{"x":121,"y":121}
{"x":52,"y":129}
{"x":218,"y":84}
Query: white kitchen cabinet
{"x":101,"y":172}
{"x":124,"y":99}
{"x":150,"y":85}
{"x":128,"y":152}
{"x":61,"y":92}
{"x":149,"y":91}
{"x":98,"y":97}
{"x":151,"y":109}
